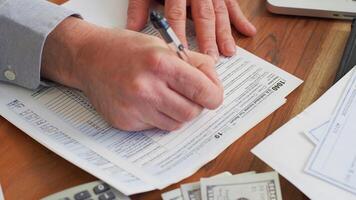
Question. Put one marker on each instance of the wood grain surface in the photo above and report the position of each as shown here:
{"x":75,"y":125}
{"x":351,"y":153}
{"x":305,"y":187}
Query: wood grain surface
{"x":309,"y":48}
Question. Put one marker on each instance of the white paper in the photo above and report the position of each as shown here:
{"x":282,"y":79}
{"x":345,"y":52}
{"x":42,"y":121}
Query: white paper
{"x":334,"y":158}
{"x":288,"y":149}
{"x":175,"y":194}
{"x":106,"y":13}
{"x":142,"y":161}
{"x":316,"y":134}
{"x":54,"y":137}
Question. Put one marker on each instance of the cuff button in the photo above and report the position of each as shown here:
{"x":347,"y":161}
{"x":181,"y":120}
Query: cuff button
{"x":10,"y":75}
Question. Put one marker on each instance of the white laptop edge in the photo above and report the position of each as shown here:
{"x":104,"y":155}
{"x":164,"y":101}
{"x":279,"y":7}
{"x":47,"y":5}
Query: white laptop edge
{"x":336,"y":9}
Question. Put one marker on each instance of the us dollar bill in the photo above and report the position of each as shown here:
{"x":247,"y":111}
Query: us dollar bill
{"x":172,"y":195}
{"x":264,"y":186}
{"x":191,"y":191}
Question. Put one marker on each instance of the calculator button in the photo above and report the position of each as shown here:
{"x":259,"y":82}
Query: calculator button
{"x":101,"y":188}
{"x":107,"y":196}
{"x":82,"y":195}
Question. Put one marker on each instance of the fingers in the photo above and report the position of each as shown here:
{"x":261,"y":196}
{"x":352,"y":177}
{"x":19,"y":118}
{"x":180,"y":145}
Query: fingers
{"x":137,"y":14}
{"x":238,"y":19}
{"x":205,"y":64}
{"x":200,"y":86}
{"x":225,"y":40}
{"x":177,"y":106}
{"x":124,"y":121}
{"x":161,"y":120}
{"x":176,"y":14}
{"x":204,"y":19}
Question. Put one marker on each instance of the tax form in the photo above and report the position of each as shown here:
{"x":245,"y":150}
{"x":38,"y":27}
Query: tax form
{"x":253,"y":89}
{"x":334,"y":158}
{"x":63,"y":120}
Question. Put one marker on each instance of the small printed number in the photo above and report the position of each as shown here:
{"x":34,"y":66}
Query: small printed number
{"x":218,"y":135}
{"x":278,"y":85}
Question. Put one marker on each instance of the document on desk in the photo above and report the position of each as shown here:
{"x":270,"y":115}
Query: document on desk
{"x":63,"y":120}
{"x":253,"y":89}
{"x":317,"y":133}
{"x":328,"y":175}
{"x":106,"y":13}
{"x":334,"y":158}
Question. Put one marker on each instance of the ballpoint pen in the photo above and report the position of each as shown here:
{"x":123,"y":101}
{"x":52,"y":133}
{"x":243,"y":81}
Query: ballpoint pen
{"x":167,"y":33}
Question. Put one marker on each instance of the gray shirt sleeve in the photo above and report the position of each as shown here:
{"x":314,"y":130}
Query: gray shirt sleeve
{"x":24,"y":27}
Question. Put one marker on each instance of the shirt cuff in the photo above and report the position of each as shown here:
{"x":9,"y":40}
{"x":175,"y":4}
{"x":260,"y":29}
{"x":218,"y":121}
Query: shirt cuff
{"x":24,"y":27}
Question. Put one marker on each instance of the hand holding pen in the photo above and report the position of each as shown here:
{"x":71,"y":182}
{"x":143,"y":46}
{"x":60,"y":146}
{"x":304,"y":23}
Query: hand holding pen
{"x":168,"y":35}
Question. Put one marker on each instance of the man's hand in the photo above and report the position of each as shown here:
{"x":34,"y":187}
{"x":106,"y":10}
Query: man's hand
{"x":133,"y":80}
{"x":212,"y":20}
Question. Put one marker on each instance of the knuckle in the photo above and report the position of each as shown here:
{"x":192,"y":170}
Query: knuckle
{"x":209,"y":40}
{"x":190,"y":114}
{"x":230,"y":3}
{"x":220,"y":7}
{"x":155,"y":62}
{"x":225,"y":33}
{"x":141,"y":91}
{"x":209,"y":62}
{"x":198,"y":92}
{"x":145,"y":94}
{"x":176,"y":13}
{"x":219,"y":98}
{"x":205,"y":11}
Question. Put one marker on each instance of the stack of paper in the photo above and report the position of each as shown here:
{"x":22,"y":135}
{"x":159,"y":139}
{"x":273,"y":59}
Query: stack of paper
{"x":63,"y":120}
{"x":243,"y":186}
{"x":316,"y":150}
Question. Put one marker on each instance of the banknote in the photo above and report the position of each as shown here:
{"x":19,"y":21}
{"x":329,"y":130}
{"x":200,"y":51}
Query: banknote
{"x":191,"y":191}
{"x":264,"y":186}
{"x":177,"y":194}
{"x":173,"y":195}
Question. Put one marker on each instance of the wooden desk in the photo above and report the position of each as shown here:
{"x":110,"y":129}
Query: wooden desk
{"x":308,"y":48}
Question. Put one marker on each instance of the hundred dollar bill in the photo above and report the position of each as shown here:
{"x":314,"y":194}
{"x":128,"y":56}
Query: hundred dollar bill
{"x":173,"y":195}
{"x":263,"y":186}
{"x":177,"y":195}
{"x":191,"y":191}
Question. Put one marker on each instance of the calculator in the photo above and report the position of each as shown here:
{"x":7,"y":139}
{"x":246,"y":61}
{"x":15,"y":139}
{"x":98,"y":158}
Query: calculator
{"x":96,"y":190}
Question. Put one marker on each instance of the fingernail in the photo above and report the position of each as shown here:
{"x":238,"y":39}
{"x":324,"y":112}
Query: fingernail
{"x":252,"y":28}
{"x":213,"y":54}
{"x":230,"y":48}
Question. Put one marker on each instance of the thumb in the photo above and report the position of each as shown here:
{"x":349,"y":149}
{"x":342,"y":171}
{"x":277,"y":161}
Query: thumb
{"x":137,"y":14}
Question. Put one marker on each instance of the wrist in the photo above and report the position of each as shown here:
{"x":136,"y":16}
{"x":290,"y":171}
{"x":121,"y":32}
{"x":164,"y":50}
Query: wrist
{"x":60,"y":52}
